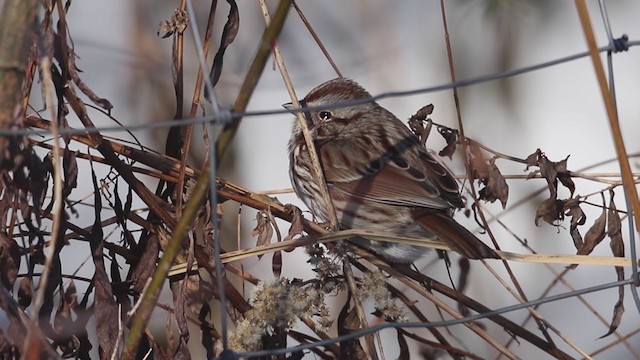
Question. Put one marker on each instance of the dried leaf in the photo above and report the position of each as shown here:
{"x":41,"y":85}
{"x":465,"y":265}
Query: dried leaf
{"x":548,"y":171}
{"x":70,"y":171}
{"x":9,"y":260}
{"x":416,"y":123}
{"x":594,"y":235}
{"x":147,"y":251}
{"x":532,"y":160}
{"x":25,"y":292}
{"x":276,"y":264}
{"x":564,"y":176}
{"x":177,"y":24}
{"x":550,"y":211}
{"x":614,"y":231}
{"x":572,"y":209}
{"x":297,"y":226}
{"x":404,"y":347}
{"x":479,"y":168}
{"x":105,"y":308}
{"x":263,"y":230}
{"x":228,"y":36}
{"x":349,"y":349}
{"x":497,"y":187}
{"x":451,"y":136}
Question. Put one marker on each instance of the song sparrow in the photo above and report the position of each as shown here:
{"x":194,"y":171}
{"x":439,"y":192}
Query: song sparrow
{"x":378,"y":174}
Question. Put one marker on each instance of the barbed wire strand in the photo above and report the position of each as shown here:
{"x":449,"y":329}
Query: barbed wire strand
{"x":213,"y":190}
{"x":224,"y":115}
{"x":632,"y":234}
{"x":433,"y":324}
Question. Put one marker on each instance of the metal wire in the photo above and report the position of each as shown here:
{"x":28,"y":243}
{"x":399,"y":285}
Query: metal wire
{"x":213,"y":167}
{"x":435,"y":324}
{"x":632,"y":233}
{"x":223,"y":116}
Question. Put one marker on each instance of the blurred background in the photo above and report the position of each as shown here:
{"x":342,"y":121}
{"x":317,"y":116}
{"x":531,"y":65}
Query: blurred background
{"x":393,"y":46}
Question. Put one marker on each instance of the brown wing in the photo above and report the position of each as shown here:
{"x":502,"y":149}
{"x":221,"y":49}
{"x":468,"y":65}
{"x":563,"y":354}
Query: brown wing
{"x":455,"y":235}
{"x":405,"y":178}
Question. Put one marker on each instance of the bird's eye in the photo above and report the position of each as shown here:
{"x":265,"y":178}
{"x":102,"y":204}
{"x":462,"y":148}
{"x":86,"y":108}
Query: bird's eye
{"x":325,"y":115}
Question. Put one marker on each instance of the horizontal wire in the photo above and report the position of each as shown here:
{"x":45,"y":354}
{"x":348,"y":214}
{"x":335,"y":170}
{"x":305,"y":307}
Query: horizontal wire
{"x":226,"y":115}
{"x":434,"y":324}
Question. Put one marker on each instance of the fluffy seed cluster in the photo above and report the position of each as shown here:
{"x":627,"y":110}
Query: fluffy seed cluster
{"x":374,"y":286}
{"x":276,"y":305}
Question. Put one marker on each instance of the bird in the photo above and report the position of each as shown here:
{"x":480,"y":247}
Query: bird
{"x":379,"y":176}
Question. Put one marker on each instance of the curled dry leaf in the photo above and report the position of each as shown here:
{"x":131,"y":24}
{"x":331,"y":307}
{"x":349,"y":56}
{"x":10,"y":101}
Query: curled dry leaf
{"x":593,"y":237}
{"x":614,"y":231}
{"x":496,"y":186}
{"x":9,"y":260}
{"x":349,"y":349}
{"x":276,"y":264}
{"x":548,"y":171}
{"x":228,"y":36}
{"x":404,"y":347}
{"x":552,"y":172}
{"x":451,"y":137}
{"x":177,"y":24}
{"x":263,"y":230}
{"x":572,"y":209}
{"x":25,"y":292}
{"x":416,"y":123}
{"x":564,"y":176}
{"x":297,"y":226}
{"x":479,"y":167}
{"x":532,"y":160}
{"x":70,"y":166}
{"x":550,"y":211}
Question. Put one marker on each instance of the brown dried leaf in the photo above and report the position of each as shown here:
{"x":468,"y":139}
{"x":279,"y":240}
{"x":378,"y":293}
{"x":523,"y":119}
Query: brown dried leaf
{"x":276,"y":264}
{"x":548,"y":171}
{"x":352,"y":321}
{"x":497,"y":187}
{"x":349,"y":349}
{"x":263,"y":230}
{"x":70,"y":171}
{"x":9,"y":260}
{"x":618,"y":309}
{"x":451,"y":136}
{"x":479,"y":168}
{"x":550,"y":211}
{"x":177,"y":24}
{"x":105,"y":308}
{"x":614,"y":231}
{"x":25,"y":292}
{"x":147,"y":252}
{"x":228,"y":36}
{"x":404,"y":347}
{"x":532,"y":160}
{"x":594,"y":235}
{"x":564,"y":176}
{"x":297,"y":226}
{"x":572,"y":208}
{"x":416,"y":123}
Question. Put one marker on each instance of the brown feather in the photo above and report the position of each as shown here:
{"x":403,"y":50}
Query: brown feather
{"x":453,"y":234}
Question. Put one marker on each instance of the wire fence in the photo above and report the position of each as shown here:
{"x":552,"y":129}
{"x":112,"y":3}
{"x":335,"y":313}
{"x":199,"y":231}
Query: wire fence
{"x":221,"y":116}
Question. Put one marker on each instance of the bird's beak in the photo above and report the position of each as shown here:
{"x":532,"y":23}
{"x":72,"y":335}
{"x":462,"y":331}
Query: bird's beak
{"x":289,"y":106}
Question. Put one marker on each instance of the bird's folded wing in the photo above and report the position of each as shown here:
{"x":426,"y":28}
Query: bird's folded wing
{"x":389,"y":180}
{"x":455,"y":235}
